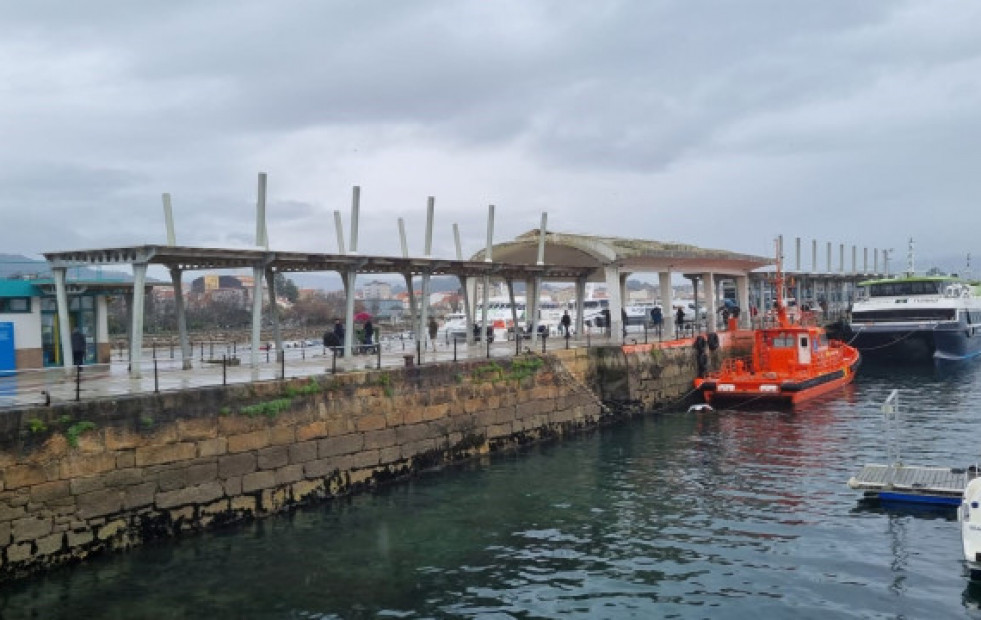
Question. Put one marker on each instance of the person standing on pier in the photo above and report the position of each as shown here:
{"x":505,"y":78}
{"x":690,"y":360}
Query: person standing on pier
{"x":78,"y":347}
{"x":679,"y":319}
{"x":566,"y":323}
{"x":369,"y":330}
{"x":433,"y":328}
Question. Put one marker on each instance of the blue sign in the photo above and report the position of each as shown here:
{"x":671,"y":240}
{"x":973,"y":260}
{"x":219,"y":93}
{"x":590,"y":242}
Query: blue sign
{"x":8,"y":357}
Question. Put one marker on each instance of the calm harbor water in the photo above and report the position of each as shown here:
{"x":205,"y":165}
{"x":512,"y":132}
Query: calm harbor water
{"x":678,"y":515}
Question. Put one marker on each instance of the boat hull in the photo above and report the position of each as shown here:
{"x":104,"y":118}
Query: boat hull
{"x":917,"y":343}
{"x":763,"y":389}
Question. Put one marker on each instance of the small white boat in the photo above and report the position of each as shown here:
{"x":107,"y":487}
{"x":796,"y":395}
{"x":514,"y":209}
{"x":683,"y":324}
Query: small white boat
{"x":970,"y":518}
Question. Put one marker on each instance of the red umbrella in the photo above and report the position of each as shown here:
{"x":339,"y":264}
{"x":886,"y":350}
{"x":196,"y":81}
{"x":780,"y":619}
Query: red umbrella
{"x":361,"y":317}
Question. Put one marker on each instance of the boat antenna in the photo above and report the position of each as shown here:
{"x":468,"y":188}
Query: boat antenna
{"x":909,"y":259}
{"x":967,"y":269}
{"x":781,"y":310}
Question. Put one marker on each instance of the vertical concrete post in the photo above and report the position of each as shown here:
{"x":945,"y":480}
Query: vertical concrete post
{"x":169,"y":220}
{"x":64,"y":319}
{"x":797,"y":262}
{"x":710,"y":314}
{"x":274,"y":308}
{"x":875,"y":263}
{"x":464,"y":285}
{"x":531,"y":305}
{"x":413,"y":310}
{"x":541,"y":239}
{"x":509,"y":282}
{"x":667,"y":312}
{"x":350,"y":279}
{"x":742,"y":293}
{"x":490,"y":235}
{"x":256,"y":317}
{"x":261,"y":236}
{"x":422,"y":330}
{"x":339,"y":227}
{"x":612,"y":273}
{"x":136,"y":341}
{"x":841,"y":258}
{"x":814,"y":256}
{"x":865,"y":260}
{"x":186,"y":353}
{"x":402,"y":241}
{"x":580,"y":297}
{"x":355,"y":212}
{"x":829,"y":257}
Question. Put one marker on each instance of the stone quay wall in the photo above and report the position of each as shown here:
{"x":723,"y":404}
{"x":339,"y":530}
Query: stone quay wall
{"x":78,"y":479}
{"x":84,"y":478}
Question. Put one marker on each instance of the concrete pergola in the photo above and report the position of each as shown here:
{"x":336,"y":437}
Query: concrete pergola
{"x":266,"y":263}
{"x":612,"y":259}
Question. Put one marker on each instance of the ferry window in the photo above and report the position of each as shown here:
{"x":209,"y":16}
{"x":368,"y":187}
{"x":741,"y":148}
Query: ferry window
{"x":803,"y":341}
{"x":15,"y":304}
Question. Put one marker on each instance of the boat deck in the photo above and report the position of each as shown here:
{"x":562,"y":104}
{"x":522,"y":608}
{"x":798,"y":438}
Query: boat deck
{"x":911,"y":483}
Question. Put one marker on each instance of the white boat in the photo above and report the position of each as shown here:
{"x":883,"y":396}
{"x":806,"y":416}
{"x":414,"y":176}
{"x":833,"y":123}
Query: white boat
{"x":969,"y":515}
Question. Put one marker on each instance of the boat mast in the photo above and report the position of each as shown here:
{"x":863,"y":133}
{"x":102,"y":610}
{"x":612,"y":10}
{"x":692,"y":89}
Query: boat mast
{"x":781,"y":310}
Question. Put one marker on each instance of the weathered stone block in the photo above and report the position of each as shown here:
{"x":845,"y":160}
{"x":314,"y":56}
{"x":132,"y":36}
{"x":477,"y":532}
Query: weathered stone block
{"x":414,"y":448}
{"x":139,"y":495}
{"x":319,"y":468}
{"x":122,"y":439}
{"x":365,"y":458}
{"x":281,"y":435}
{"x":18,"y":476}
{"x":4,"y":534}
{"x":49,"y":491}
{"x":110,"y":529}
{"x":255,"y":440}
{"x":371,"y":422}
{"x":212,"y":447}
{"x":18,"y":553}
{"x":50,"y":544}
{"x":288,"y":474}
{"x":8,"y":512}
{"x":379,"y":439}
{"x":303,"y":452}
{"x":167,"y":453}
{"x":389,"y":455}
{"x":305,"y":488}
{"x":99,"y":503}
{"x":124,"y":477}
{"x":79,"y":538}
{"x":204,"y":472}
{"x":335,"y":446}
{"x":195,"y":429}
{"x":258,"y":480}
{"x":234,"y":465}
{"x":200,"y":494}
{"x":273,"y":457}
{"x":30,"y":528}
{"x":232,"y":486}
{"x":125,"y":460}
{"x":171,"y":479}
{"x":215,"y":508}
{"x":78,"y":466}
{"x":243,"y":503}
{"x":313,"y":430}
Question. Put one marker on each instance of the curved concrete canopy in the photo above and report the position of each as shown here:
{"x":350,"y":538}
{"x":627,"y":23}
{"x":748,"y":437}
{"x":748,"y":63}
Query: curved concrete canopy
{"x":629,"y":255}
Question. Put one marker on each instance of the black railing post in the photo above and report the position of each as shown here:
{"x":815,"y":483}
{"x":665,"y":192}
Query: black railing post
{"x":418,"y":353}
{"x":153,"y":348}
{"x":234,"y":349}
{"x":303,"y":351}
{"x":566,"y":338}
{"x":587,"y":338}
{"x":645,"y":332}
{"x":454,"y":348}
{"x":544,"y":341}
{"x":333,"y":361}
{"x":267,"y":354}
{"x":378,"y":352}
{"x":282,"y":364}
{"x":224,"y":370}
{"x":487,"y":338}
{"x":78,"y":382}
{"x":171,"y":349}
{"x":211,"y":350}
{"x":156,"y":378}
{"x":517,"y":339}
{"x":202,"y":351}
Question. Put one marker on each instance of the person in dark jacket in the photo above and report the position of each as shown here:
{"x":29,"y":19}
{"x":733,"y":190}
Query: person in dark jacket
{"x":78,"y":347}
{"x":369,"y":330}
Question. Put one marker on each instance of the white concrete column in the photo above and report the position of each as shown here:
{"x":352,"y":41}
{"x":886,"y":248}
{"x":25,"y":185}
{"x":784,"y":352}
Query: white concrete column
{"x":742,"y":294}
{"x":483,"y":309}
{"x":667,"y":312}
{"x":136,"y":338}
{"x":186,"y":354}
{"x":509,"y":283}
{"x":616,"y":304}
{"x":350,"y":279}
{"x":413,"y":311}
{"x":580,"y":296}
{"x":256,"y":316}
{"x":423,"y":327}
{"x":274,"y":309}
{"x":531,"y":306}
{"x":64,"y":321}
{"x":710,"y":314}
{"x":471,"y":301}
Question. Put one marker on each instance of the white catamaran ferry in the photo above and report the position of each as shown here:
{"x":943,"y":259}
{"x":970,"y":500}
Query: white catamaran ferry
{"x":913,"y":317}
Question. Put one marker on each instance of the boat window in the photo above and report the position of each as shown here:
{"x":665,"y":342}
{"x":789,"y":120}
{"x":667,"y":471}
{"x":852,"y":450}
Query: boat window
{"x":803,"y":341}
{"x":783,"y":341}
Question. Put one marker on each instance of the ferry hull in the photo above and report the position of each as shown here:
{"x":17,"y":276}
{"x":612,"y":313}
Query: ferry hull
{"x":914,"y":344}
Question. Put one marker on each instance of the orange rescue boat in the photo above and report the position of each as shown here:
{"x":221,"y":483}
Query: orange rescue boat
{"x":790,"y":363}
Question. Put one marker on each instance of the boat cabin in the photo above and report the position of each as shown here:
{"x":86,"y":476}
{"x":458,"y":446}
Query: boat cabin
{"x":786,"y":349}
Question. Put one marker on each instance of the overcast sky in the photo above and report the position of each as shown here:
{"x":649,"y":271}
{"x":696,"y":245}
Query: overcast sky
{"x":720,"y":124}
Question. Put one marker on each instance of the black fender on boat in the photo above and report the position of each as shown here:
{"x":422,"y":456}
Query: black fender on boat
{"x":816,"y":381}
